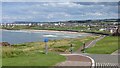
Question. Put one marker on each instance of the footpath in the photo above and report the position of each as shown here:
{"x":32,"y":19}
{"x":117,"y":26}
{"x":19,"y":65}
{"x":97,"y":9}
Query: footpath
{"x":75,"y":61}
{"x":78,"y":59}
{"x":116,"y":52}
{"x":83,"y":60}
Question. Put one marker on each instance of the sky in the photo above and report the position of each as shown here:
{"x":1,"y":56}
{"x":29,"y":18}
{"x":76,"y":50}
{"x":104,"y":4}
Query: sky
{"x":59,"y":0}
{"x":57,"y":11}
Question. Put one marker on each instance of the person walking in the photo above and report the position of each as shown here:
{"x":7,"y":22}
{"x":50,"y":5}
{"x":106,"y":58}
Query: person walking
{"x":71,"y":48}
{"x":84,"y":47}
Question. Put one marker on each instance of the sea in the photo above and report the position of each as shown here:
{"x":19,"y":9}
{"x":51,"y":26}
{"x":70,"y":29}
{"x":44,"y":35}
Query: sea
{"x":23,"y":36}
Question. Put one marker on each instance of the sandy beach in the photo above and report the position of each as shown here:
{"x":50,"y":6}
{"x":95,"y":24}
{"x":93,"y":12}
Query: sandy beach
{"x":25,"y":30}
{"x":50,"y":31}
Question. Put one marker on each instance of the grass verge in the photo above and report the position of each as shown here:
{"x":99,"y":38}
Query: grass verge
{"x":105,"y":46}
{"x":31,"y":54}
{"x":34,"y":60}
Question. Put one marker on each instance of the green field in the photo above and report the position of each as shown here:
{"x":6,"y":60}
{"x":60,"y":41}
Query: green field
{"x":32,"y":53}
{"x":29,"y":55}
{"x":62,"y":45}
{"x":44,"y":28}
{"x":0,"y":56}
{"x":34,"y":60}
{"x":105,"y":46}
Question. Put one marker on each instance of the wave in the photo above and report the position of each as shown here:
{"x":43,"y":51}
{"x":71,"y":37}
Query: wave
{"x":50,"y":36}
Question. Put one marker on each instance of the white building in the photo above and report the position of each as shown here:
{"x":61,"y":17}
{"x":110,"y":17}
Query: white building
{"x":102,"y":29}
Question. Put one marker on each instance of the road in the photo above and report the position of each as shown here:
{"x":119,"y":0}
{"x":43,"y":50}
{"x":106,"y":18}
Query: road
{"x":105,"y":60}
{"x":101,"y":60}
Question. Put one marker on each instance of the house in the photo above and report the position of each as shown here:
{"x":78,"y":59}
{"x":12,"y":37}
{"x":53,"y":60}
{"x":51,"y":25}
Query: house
{"x":117,"y":32}
{"x":102,"y":29}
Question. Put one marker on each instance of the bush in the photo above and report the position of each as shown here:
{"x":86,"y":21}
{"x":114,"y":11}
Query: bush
{"x":5,"y":44}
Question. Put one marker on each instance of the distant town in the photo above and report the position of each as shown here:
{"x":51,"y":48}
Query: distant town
{"x":103,"y":25}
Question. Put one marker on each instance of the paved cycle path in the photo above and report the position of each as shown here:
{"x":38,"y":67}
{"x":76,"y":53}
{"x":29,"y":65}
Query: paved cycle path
{"x":90,"y":44}
{"x":75,"y":60}
{"x":116,"y":52}
{"x":103,"y":60}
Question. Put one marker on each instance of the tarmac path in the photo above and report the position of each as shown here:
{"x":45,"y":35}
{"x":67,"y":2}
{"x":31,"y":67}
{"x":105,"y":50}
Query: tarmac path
{"x":75,"y":61}
{"x":103,"y":60}
{"x":90,"y":44}
{"x":100,"y":60}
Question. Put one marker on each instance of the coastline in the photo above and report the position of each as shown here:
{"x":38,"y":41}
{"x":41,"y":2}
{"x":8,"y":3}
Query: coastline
{"x":30,"y":30}
{"x":48,"y":33}
{"x":51,"y":31}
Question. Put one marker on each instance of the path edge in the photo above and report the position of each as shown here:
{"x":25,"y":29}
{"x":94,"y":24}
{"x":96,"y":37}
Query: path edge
{"x":92,"y":60}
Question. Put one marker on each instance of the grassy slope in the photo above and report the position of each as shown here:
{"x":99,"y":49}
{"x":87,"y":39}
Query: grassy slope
{"x":105,"y":46}
{"x":80,"y":42}
{"x":64,"y":45}
{"x":29,"y":54}
{"x":33,"y":60}
{"x":0,"y":56}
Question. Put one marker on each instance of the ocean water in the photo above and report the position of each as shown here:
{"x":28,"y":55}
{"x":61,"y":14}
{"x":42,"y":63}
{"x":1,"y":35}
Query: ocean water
{"x":20,"y":36}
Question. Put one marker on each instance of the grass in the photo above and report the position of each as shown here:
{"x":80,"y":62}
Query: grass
{"x":31,"y":54}
{"x":62,"y":45}
{"x":44,"y":28}
{"x":34,"y":60}
{"x":105,"y":46}
{"x":0,"y":56}
{"x":82,"y":41}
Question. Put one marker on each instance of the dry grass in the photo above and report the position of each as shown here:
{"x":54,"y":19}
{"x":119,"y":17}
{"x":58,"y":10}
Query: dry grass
{"x":62,"y":45}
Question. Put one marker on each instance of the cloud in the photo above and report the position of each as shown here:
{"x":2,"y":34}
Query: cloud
{"x":50,"y":16}
{"x":55,"y":11}
{"x":61,"y":15}
{"x":16,"y":18}
{"x":95,"y":14}
{"x":60,"y":0}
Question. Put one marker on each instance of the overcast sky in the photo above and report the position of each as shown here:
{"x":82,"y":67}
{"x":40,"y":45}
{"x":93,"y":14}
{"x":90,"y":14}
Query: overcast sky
{"x":59,"y":0}
{"x":57,"y":11}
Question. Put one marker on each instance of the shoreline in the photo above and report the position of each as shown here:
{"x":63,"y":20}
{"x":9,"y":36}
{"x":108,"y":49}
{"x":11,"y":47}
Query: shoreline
{"x":47,"y":31}
{"x":30,"y":30}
